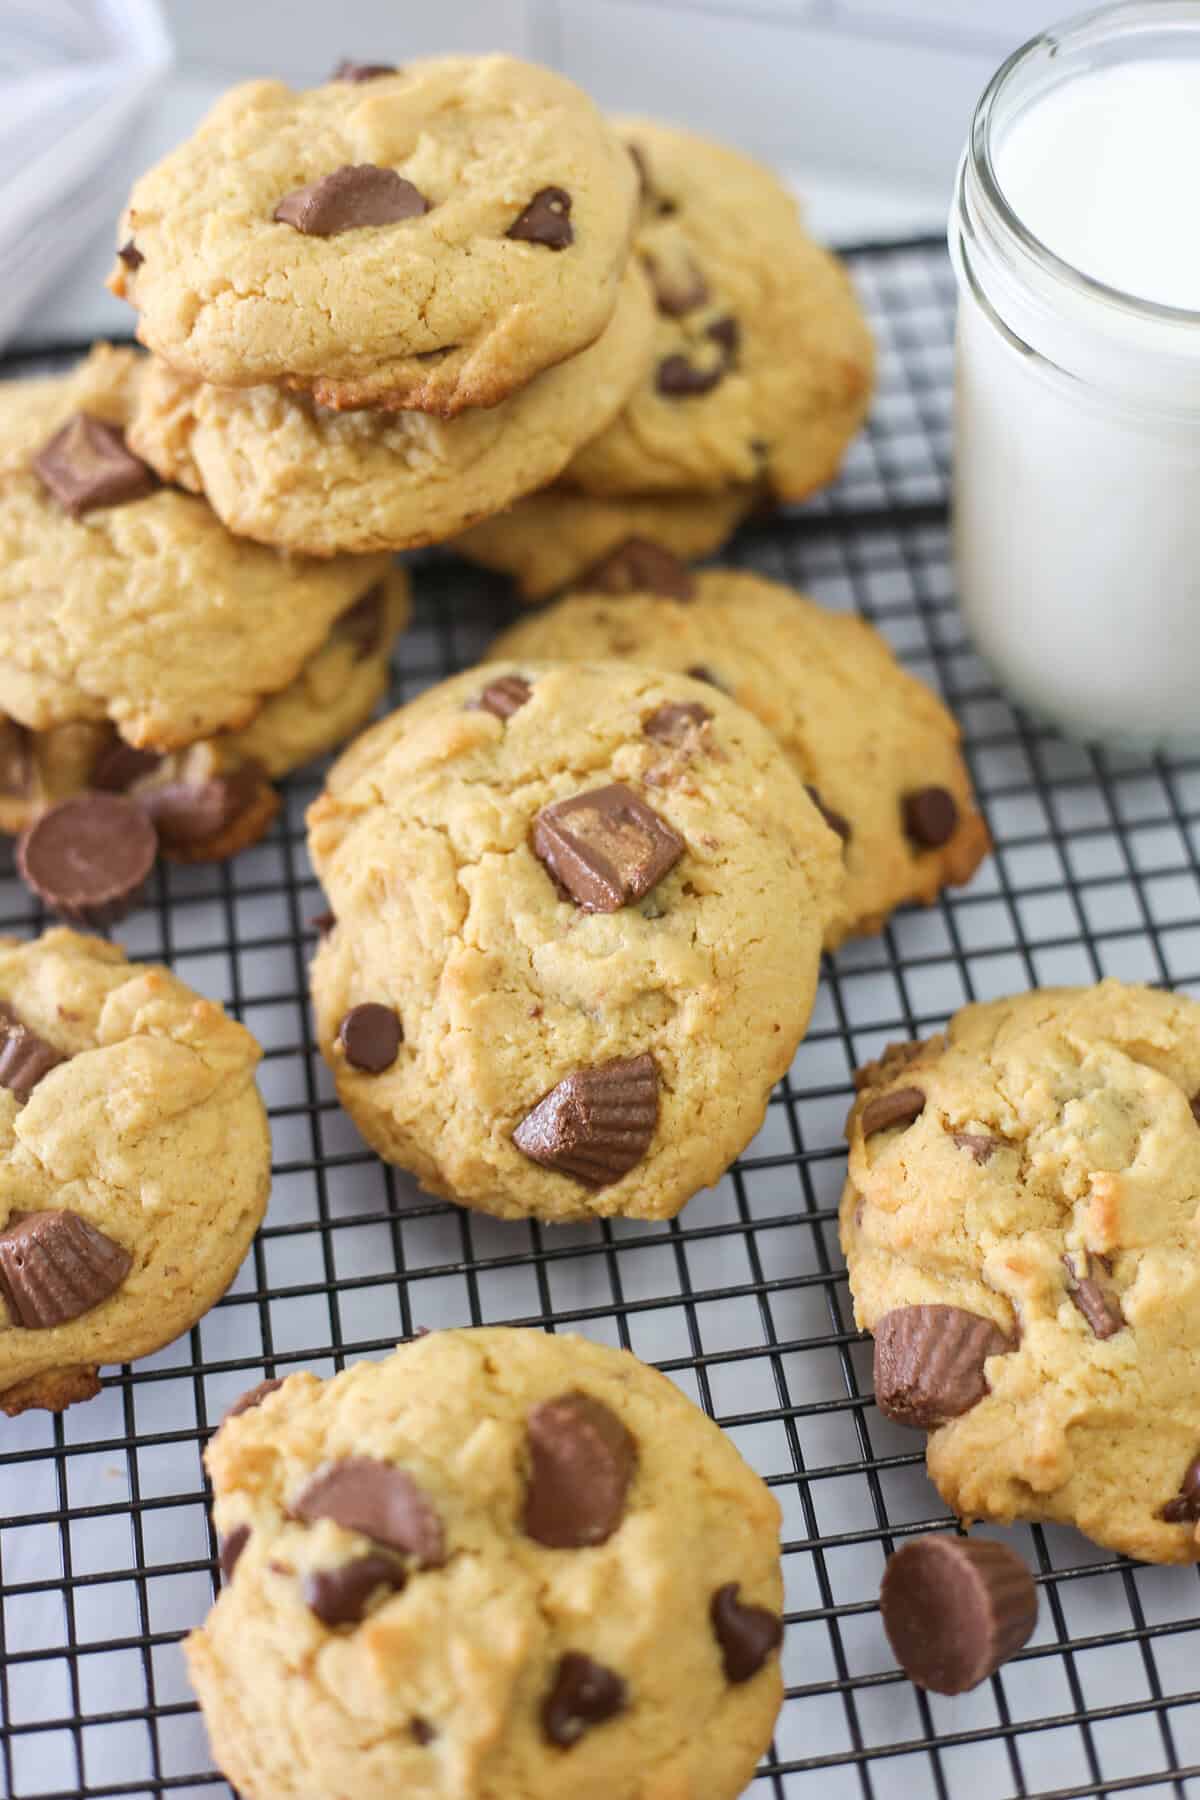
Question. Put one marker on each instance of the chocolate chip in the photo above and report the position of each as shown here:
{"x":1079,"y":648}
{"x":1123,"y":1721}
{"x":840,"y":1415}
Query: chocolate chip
{"x":605,"y":848}
{"x":597,"y":1123}
{"x":88,"y":857}
{"x":929,"y":1362}
{"x":899,"y":1107}
{"x":383,"y":1502}
{"x":955,"y":1608}
{"x":86,"y":465}
{"x":24,"y":1056}
{"x":677,"y":377}
{"x":1194,"y":1103}
{"x":676,"y":720}
{"x":362,"y":71}
{"x":340,"y":1596}
{"x":582,"y":1460}
{"x":930,"y":817}
{"x":130,"y":255}
{"x":584,"y":1694}
{"x":1102,"y":1311}
{"x":231,"y":1549}
{"x":423,"y":1732}
{"x":701,"y":672}
{"x":253,"y":1397}
{"x":834,"y":820}
{"x":1184,"y":1509}
{"x":639,"y":566}
{"x":505,"y":696}
{"x":323,"y":923}
{"x":357,"y":195}
{"x":55,"y":1266}
{"x":362,"y":624}
{"x":187,"y":814}
{"x":728,"y":334}
{"x":546,"y":220}
{"x":119,"y":765}
{"x":370,"y":1036}
{"x":679,"y":287}
{"x":747,"y":1634}
{"x":981,"y":1148}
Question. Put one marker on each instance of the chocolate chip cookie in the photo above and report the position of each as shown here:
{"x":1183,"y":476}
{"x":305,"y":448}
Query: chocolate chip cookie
{"x":135,"y":1162}
{"x":552,"y":539}
{"x":144,"y":647}
{"x":582,"y":907}
{"x":763,"y":361}
{"x":1020,"y":1229}
{"x":432,"y":238}
{"x":877,"y":750}
{"x":280,"y":469}
{"x":498,"y":1563}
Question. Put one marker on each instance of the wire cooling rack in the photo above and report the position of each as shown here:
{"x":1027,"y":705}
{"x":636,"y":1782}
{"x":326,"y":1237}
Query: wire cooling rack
{"x":106,"y":1552}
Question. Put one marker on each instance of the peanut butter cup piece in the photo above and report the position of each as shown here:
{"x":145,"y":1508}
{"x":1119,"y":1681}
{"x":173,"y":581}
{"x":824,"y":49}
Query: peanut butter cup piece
{"x":930,"y":817}
{"x":87,"y":464}
{"x":231,"y":1549}
{"x":979,"y":1147}
{"x":898,"y":1107}
{"x":54,"y":1266}
{"x":24,"y":1056}
{"x":1184,"y":1509}
{"x":253,"y":1397}
{"x":505,"y":696}
{"x":605,"y":848}
{"x":584,"y":1694}
{"x":370,"y":1036}
{"x":746,"y":1634}
{"x":955,"y":1608}
{"x":187,"y":814}
{"x":1101,"y":1309}
{"x":342,"y":1596}
{"x":582,"y":1460}
{"x":363,"y":1494}
{"x":596,"y":1124}
{"x":675,"y":721}
{"x":639,"y":566}
{"x":546,"y":220}
{"x":358,"y":194}
{"x":88,"y":857}
{"x":119,"y":765}
{"x":929,"y":1362}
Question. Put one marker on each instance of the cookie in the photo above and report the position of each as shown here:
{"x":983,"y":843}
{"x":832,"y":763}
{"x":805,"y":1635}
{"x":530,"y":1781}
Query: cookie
{"x":127,"y":602}
{"x":216,"y":796}
{"x":763,"y":362}
{"x":875,"y":747}
{"x":1020,"y":1230}
{"x":134,"y":1162}
{"x":551,"y":539}
{"x":278,"y":468}
{"x":578,"y":919}
{"x":499,"y":1562}
{"x":433,"y":238}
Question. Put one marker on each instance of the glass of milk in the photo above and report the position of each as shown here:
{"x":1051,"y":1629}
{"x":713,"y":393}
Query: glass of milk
{"x":1076,"y":240}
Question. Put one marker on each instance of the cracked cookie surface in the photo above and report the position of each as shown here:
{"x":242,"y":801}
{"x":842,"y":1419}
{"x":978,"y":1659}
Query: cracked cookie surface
{"x":857,"y":728}
{"x":455,"y":302}
{"x":279,"y":469}
{"x":1020,"y":1228}
{"x":127,"y":1109}
{"x":484,"y":1662}
{"x":147,"y":613}
{"x":695,"y":945}
{"x":763,"y":363}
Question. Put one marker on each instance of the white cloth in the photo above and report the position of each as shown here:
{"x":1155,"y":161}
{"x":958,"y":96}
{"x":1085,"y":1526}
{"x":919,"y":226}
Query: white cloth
{"x":75,"y":76}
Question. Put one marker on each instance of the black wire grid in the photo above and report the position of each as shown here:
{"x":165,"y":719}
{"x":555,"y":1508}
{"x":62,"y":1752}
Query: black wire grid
{"x":106,"y":1551}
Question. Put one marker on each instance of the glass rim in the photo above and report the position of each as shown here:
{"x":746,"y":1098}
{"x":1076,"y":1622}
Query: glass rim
{"x":1097,"y":23}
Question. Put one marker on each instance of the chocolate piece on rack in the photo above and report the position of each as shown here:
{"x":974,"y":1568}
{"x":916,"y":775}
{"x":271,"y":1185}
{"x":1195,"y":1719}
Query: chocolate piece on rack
{"x":370,"y":1036}
{"x":582,"y":1460}
{"x":54,"y":1266}
{"x":88,"y":857}
{"x":929,"y":1362}
{"x":86,"y":465}
{"x":596,"y":1124}
{"x":605,"y":848}
{"x":955,"y":1608}
{"x":360,"y":1493}
{"x":358,"y":194}
{"x":546,"y":220}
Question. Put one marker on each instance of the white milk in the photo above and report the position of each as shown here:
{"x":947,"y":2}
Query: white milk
{"x":1077,"y":477}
